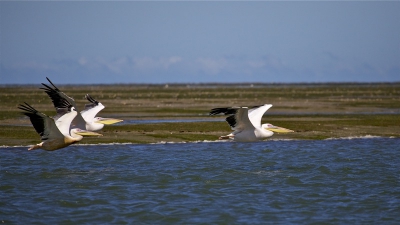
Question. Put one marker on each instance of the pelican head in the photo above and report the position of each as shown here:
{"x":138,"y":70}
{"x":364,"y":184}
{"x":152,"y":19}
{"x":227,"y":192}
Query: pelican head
{"x":275,"y":129}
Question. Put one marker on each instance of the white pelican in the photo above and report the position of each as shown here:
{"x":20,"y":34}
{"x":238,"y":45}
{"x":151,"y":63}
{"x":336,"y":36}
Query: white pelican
{"x":94,"y":123}
{"x":246,"y":123}
{"x":85,"y":121}
{"x":55,"y":133}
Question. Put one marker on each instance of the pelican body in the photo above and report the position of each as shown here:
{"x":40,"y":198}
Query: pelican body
{"x":86,"y":119}
{"x":246,"y":123}
{"x":55,"y":133}
{"x":94,"y":123}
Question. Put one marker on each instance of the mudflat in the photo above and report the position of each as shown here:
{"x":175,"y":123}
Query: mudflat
{"x":179,"y":112}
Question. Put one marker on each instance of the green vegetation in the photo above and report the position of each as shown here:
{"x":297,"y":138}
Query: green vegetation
{"x":314,"y":111}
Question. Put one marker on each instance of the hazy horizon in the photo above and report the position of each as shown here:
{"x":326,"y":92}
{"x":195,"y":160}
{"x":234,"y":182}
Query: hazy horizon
{"x":199,"y":42}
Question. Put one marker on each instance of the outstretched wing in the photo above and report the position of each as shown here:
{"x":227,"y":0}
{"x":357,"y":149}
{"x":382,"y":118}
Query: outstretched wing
{"x":238,"y":119}
{"x":225,"y":111}
{"x":256,"y":113}
{"x":64,"y":107}
{"x":91,"y":109}
{"x":56,"y":95}
{"x":43,"y":124}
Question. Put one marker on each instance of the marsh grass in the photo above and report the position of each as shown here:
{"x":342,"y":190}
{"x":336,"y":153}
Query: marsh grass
{"x":314,"y":111}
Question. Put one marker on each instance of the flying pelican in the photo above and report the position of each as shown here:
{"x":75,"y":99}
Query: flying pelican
{"x":94,"y":123}
{"x":86,"y":119}
{"x":246,"y":123}
{"x":55,"y":133}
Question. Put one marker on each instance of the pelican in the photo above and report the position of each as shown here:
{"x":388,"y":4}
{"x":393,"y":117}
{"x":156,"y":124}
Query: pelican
{"x":55,"y":133}
{"x":94,"y":123}
{"x":246,"y":123}
{"x":84,"y":120}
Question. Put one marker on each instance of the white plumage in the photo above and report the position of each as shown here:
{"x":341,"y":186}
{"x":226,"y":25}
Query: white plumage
{"x":86,"y":119}
{"x":94,"y":123}
{"x":246,"y":123}
{"x":55,"y":133}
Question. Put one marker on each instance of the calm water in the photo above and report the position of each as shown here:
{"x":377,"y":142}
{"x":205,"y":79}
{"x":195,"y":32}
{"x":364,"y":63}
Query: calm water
{"x":274,"y":182}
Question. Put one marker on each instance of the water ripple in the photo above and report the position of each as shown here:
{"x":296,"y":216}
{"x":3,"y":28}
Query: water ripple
{"x":277,"y":182}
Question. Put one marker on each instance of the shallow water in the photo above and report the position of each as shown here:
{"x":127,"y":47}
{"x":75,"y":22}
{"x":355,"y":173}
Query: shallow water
{"x":126,"y":122}
{"x":273,"y":182}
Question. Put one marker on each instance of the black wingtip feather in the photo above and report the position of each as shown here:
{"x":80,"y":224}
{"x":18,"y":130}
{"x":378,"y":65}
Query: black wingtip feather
{"x":37,"y":119}
{"x":231,"y":120}
{"x":46,"y":86}
{"x":65,"y":103}
{"x":57,"y":97}
{"x":216,"y":111}
{"x":225,"y":111}
{"x":27,"y":108}
{"x":55,"y":87}
{"x":90,"y":99}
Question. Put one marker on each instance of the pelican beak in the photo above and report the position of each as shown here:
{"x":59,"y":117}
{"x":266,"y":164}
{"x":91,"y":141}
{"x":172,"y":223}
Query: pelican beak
{"x":108,"y":121}
{"x":279,"y":129}
{"x":88,"y":133}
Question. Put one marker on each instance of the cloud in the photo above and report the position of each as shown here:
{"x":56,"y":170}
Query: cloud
{"x":116,"y":65}
{"x":266,"y":62}
{"x":201,"y":69}
{"x":240,"y":66}
{"x":213,"y":66}
{"x":149,"y":63}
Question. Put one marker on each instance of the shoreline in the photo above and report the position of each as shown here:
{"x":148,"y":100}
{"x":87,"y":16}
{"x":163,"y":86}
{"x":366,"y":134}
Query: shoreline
{"x":315,"y":112}
{"x":306,"y":127}
{"x":214,"y":141}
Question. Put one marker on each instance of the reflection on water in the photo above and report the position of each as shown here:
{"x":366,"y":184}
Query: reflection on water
{"x":277,"y":182}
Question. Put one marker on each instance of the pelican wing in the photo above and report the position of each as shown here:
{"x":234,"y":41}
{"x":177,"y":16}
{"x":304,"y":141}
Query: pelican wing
{"x":43,"y":124}
{"x":58,"y":97}
{"x":240,"y":120}
{"x":64,"y":121}
{"x":225,"y":111}
{"x":64,"y":117}
{"x":60,"y":112}
{"x":91,"y":109}
{"x":256,"y":113}
{"x":63,"y":108}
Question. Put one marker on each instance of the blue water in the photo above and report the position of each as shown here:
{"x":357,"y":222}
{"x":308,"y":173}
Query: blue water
{"x":273,"y":182}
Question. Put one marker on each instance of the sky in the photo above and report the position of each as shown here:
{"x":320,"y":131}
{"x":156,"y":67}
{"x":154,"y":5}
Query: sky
{"x":105,"y":42}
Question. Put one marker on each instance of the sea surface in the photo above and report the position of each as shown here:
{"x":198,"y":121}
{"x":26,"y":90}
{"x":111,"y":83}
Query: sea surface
{"x":338,"y":181}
